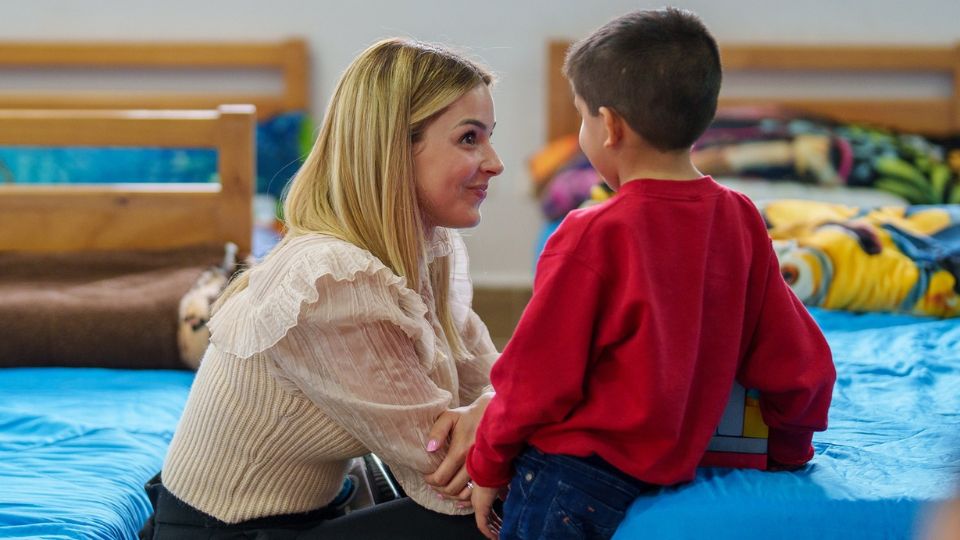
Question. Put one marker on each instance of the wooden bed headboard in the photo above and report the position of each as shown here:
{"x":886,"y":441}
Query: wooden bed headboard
{"x":132,"y":216}
{"x":933,"y":116}
{"x":288,"y":57}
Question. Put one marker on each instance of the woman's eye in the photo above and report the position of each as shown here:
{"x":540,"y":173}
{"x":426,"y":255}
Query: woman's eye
{"x":469,"y":138}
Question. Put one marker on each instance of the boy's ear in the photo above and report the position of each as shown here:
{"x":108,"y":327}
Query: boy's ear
{"x":613,"y":126}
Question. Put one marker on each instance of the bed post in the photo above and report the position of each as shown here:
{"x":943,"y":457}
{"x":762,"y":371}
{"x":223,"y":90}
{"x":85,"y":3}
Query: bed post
{"x":295,"y":69}
{"x":236,"y":155}
{"x":562,"y":116}
{"x":955,"y":95}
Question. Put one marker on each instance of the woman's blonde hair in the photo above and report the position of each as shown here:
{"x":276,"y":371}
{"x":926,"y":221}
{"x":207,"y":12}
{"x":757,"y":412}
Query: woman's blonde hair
{"x":357,"y":183}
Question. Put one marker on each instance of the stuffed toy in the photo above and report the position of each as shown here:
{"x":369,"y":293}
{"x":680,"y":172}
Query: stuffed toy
{"x":193,"y":336}
{"x":899,"y":259}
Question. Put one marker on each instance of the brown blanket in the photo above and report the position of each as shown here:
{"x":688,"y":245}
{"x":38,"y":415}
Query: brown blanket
{"x":105,"y":309}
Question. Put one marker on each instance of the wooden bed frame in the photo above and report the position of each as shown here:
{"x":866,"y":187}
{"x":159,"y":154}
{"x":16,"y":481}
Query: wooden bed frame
{"x":142,"y":216}
{"x":933,"y":116}
{"x":288,"y":57}
{"x":132,"y":216}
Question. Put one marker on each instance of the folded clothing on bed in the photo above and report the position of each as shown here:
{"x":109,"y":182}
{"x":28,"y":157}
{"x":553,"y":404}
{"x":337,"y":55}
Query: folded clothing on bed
{"x":107,"y":308}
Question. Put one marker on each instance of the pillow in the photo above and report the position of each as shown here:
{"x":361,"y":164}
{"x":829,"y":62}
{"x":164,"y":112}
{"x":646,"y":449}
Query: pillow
{"x":116,"y":309}
{"x":762,"y":193}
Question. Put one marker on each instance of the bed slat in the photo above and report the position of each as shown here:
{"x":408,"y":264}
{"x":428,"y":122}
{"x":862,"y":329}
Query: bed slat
{"x":129,"y":216}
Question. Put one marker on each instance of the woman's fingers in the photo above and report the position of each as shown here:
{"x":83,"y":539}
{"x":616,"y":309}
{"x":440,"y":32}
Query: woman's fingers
{"x":461,"y":437}
{"x":446,"y":471}
{"x":458,"y":426}
{"x":457,"y":487}
{"x":441,"y":430}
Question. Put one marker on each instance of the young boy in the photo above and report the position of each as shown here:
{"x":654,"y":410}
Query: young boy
{"x":646,"y":308}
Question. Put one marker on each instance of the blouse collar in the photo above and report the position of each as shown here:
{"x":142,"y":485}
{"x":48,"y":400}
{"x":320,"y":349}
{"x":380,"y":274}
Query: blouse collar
{"x":439,"y":244}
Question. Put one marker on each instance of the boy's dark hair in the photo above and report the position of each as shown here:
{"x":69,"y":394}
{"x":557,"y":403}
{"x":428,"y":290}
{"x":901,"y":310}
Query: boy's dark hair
{"x":658,"y":69}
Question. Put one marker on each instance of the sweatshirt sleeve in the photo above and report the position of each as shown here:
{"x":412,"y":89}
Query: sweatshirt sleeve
{"x":538,"y":381}
{"x":789,"y":362}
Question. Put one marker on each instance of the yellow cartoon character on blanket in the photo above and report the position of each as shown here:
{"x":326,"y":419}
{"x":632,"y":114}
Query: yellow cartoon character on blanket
{"x":904,"y":259}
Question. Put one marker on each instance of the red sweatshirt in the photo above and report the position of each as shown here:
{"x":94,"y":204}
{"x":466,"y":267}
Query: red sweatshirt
{"x":644,"y":311}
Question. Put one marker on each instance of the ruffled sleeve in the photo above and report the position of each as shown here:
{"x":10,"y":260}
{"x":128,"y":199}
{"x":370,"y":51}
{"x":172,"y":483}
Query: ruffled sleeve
{"x":473,"y":369}
{"x":345,"y":331}
{"x":257,"y":318}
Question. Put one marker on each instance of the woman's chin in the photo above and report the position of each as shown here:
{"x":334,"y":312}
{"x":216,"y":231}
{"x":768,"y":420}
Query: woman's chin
{"x":471,"y":221}
{"x":464,"y":220}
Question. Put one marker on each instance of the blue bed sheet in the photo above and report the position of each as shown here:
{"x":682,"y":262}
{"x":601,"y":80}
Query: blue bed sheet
{"x":892,"y":447}
{"x":77,"y":445}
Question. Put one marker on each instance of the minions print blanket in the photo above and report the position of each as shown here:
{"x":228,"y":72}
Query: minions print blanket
{"x":894,"y":259}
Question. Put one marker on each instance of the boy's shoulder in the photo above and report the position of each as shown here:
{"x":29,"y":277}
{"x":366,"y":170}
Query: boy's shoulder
{"x":575,"y":226}
{"x":750,"y":210}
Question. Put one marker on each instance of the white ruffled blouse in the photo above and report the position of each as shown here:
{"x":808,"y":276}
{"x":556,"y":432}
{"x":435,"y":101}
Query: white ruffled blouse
{"x":327,"y":355}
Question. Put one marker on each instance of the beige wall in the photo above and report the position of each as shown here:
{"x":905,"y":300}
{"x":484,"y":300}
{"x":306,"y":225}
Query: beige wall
{"x":508,"y":34}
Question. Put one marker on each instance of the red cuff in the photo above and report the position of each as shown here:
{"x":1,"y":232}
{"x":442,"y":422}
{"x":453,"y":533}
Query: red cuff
{"x":486,"y":473}
{"x":790,"y":447}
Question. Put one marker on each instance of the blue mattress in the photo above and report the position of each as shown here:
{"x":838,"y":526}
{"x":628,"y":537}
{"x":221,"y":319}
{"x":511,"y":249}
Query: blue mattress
{"x":77,"y":445}
{"x":891,"y":448}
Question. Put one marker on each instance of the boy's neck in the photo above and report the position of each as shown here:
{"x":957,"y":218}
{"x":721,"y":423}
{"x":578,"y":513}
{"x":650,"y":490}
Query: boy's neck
{"x":650,"y":163}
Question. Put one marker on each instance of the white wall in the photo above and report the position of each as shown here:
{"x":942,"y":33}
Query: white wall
{"x":509,"y":35}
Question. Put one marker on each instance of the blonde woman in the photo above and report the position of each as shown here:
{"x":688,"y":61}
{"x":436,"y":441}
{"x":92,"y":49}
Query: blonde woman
{"x":355,"y":334}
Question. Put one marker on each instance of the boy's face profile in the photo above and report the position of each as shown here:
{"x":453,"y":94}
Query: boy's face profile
{"x":593,"y":140}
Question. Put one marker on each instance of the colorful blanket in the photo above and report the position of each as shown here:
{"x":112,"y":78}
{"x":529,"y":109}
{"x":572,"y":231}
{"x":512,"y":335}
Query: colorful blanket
{"x":773,"y":145}
{"x":896,"y":259}
{"x":786,"y":146}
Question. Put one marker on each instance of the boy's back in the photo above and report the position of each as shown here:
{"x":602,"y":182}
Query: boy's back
{"x":644,"y":311}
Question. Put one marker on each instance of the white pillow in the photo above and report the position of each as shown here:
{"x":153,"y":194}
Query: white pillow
{"x":764,"y":191}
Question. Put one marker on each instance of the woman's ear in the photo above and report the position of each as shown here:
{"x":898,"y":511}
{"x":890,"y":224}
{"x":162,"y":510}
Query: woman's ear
{"x":613,"y":127}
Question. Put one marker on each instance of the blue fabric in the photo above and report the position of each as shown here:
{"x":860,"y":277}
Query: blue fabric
{"x":78,"y":444}
{"x":892,"y":447}
{"x":282,"y":143}
{"x":556,"y":497}
{"x":77,"y":165}
{"x":546,"y":231}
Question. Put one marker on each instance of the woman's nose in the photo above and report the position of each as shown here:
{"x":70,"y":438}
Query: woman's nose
{"x":492,"y":164}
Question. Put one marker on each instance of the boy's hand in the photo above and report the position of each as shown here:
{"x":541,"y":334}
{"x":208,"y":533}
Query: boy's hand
{"x":487,"y":520}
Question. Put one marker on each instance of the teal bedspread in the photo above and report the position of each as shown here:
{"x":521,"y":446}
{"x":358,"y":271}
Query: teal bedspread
{"x":892,"y":447}
{"x":76,"y":446}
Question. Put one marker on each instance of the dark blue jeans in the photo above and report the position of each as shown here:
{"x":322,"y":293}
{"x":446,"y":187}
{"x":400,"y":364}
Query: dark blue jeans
{"x":554,"y":497}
